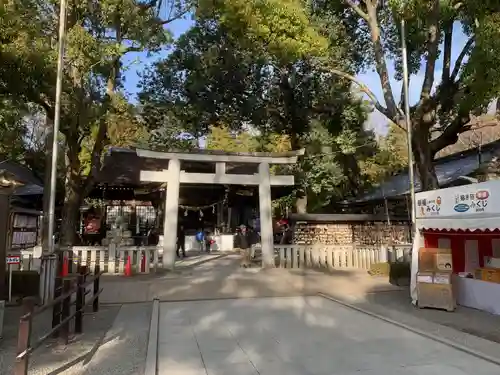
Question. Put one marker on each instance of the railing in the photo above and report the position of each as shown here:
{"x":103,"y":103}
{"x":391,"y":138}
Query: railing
{"x":61,"y":314}
{"x":342,"y":256}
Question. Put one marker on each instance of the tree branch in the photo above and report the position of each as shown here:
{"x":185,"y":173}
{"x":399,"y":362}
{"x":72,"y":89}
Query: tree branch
{"x":176,"y":17}
{"x":432,"y":51}
{"x":450,"y":134}
{"x":458,"y":63}
{"x":357,"y":9}
{"x":380,"y":63}
{"x":364,"y":89}
{"x":448,"y":40}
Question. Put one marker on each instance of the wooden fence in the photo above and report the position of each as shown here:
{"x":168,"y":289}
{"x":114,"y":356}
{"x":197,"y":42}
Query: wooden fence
{"x":340,"y":257}
{"x":111,"y":260}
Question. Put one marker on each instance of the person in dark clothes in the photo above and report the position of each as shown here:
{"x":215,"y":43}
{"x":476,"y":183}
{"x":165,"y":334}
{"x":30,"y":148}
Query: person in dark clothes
{"x":287,"y":237}
{"x":244,"y":243}
{"x":181,"y":239}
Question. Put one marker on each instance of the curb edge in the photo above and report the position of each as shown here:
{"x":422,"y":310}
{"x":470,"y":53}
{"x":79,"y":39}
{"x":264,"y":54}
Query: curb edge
{"x":419,"y":332}
{"x":152,"y":352}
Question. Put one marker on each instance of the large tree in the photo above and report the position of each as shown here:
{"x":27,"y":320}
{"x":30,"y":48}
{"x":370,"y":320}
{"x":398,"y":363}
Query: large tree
{"x":459,"y":79}
{"x":467,"y":82}
{"x":99,"y":35}
{"x":215,"y":76}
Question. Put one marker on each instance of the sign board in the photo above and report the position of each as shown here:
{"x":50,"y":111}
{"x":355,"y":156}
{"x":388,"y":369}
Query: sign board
{"x":466,"y":200}
{"x":434,"y":259}
{"x":13,"y":259}
{"x":444,"y":261}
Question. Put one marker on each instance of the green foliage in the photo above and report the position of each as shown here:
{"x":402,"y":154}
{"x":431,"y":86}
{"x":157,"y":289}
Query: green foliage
{"x":94,"y":113}
{"x":222,"y":139}
{"x":264,"y":64}
{"x":390,"y":157}
{"x":12,"y":130}
{"x":280,"y":28}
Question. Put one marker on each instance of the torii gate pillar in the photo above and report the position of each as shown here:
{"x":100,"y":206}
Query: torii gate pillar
{"x":266,"y":217}
{"x":171,"y":213}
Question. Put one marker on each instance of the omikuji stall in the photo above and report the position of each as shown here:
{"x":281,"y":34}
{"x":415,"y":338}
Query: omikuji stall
{"x":465,"y":219}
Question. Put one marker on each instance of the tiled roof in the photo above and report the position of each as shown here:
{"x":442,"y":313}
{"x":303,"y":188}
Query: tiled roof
{"x":448,"y":170}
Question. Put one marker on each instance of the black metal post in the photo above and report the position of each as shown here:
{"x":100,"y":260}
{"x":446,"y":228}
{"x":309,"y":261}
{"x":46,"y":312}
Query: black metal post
{"x":56,"y":309}
{"x":64,"y":331}
{"x":80,"y":301}
{"x":95,"y":304}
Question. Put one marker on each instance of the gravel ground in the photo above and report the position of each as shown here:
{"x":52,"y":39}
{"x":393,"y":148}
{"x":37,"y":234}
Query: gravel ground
{"x":52,"y":358}
{"x":124,"y":348}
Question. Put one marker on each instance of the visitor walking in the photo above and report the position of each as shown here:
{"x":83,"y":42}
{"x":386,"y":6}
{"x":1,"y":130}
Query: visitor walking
{"x":244,"y":243}
{"x":200,"y":238}
{"x":181,"y":239}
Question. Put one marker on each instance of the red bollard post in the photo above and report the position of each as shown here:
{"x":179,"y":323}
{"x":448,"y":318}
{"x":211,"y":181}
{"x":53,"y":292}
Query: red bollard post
{"x":128,"y":267}
{"x":65,"y":267}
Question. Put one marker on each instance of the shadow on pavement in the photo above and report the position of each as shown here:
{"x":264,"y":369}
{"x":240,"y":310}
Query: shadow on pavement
{"x":295,"y":335}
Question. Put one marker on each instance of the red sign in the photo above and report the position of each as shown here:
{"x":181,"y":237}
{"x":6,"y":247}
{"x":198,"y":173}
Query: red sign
{"x":482,"y":194}
{"x":13,"y":259}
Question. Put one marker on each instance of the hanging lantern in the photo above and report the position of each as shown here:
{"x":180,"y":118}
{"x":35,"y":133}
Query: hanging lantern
{"x":185,"y":212}
{"x":213,"y":209}
{"x":201,"y":214}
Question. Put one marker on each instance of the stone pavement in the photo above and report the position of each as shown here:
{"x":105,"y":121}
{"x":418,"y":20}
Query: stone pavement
{"x":223,"y":278}
{"x":297,"y":336}
{"x":115,"y":340}
{"x":474,"y":322}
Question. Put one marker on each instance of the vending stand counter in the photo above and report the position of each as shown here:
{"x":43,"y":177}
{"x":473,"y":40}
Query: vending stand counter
{"x":463,"y":221}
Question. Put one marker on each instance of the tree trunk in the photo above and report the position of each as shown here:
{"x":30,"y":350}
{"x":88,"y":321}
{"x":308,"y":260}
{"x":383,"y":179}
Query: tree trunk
{"x":73,"y":196}
{"x":424,"y":160}
{"x":70,"y":214}
{"x":301,"y":203}
{"x":301,"y":193}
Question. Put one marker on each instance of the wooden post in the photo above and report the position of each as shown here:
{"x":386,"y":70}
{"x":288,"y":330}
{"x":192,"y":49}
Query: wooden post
{"x":302,"y":256}
{"x":23,"y":337}
{"x":64,"y":331}
{"x":80,"y":301}
{"x":95,"y":304}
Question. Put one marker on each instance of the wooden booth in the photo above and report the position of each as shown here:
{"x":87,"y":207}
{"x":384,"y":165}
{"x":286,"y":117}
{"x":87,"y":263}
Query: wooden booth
{"x":465,"y":220}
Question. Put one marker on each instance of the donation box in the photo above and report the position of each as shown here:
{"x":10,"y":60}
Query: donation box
{"x":434,"y":279}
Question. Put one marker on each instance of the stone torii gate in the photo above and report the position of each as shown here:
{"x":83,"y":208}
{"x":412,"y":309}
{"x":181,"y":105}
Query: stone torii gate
{"x":174,"y":176}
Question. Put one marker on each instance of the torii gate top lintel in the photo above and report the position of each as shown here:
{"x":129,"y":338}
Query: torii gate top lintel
{"x":289,"y":157}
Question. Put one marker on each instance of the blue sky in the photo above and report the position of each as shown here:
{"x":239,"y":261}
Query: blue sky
{"x":136,"y":62}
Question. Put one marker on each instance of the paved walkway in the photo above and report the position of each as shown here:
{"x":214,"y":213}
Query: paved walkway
{"x":216,"y":303}
{"x":297,"y":336}
{"x":223,"y":278}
